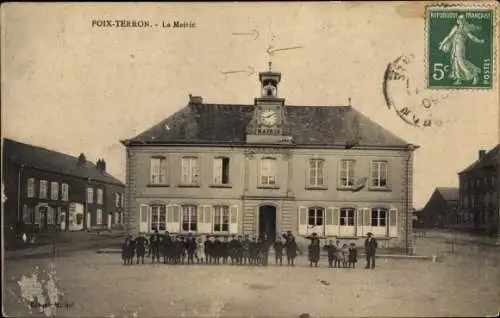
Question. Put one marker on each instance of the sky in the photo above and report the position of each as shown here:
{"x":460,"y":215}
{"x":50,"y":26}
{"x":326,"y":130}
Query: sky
{"x":75,"y":88}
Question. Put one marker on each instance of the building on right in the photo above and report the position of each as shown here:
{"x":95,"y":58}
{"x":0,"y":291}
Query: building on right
{"x":478,"y":193}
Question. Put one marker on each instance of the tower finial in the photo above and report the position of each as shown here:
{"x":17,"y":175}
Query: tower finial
{"x":349,"y":101}
{"x":270,"y":65}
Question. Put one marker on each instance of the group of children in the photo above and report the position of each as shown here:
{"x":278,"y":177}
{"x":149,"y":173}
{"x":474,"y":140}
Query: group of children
{"x":238,"y":250}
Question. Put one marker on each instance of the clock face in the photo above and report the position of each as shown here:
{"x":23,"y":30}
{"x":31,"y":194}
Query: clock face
{"x":269,"y":117}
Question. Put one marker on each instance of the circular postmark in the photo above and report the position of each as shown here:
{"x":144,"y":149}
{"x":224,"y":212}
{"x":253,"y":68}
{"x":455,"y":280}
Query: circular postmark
{"x":413,"y":105}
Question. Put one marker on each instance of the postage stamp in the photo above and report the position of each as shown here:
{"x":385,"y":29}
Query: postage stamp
{"x":459,"y":48}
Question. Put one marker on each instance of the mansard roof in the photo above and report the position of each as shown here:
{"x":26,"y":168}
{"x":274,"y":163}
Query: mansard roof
{"x":310,"y":126}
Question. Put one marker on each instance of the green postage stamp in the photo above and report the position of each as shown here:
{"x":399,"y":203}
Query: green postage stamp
{"x":459,"y":48}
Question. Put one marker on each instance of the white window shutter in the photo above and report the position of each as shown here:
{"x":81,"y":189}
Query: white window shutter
{"x":144,"y":224}
{"x":329,"y":216}
{"x":173,"y":223}
{"x":302,"y":220}
{"x":217,"y":171}
{"x":331,"y":228}
{"x":233,"y":217}
{"x":359,"y":222}
{"x":207,"y":219}
{"x":393,"y":222}
{"x":336,"y":216}
{"x":367,"y":217}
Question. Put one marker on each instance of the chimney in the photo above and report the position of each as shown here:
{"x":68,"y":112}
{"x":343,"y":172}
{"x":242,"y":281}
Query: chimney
{"x":82,"y":160}
{"x":195,"y":99}
{"x":481,"y":154}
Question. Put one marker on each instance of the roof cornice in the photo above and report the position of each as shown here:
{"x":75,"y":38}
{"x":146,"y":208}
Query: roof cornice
{"x":129,"y":144}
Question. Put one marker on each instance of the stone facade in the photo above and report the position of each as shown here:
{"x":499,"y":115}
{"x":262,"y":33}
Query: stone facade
{"x":321,"y":182}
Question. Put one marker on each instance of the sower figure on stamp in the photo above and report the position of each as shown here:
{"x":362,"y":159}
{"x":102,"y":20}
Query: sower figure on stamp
{"x":370,"y":249}
{"x":140,"y":247}
{"x":455,"y":44}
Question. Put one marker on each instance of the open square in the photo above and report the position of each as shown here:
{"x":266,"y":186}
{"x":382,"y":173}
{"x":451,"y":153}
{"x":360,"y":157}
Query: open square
{"x":464,"y":283}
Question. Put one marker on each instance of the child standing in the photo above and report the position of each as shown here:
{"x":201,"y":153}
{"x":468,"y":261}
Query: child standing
{"x":353,"y":255}
{"x":200,"y":251}
{"x":291,"y":250}
{"x":191,"y":249}
{"x":225,"y":250}
{"x":339,"y":255}
{"x":278,"y":251}
{"x":314,"y":249}
{"x":208,"y":245}
{"x":331,"y":253}
{"x":345,"y":255}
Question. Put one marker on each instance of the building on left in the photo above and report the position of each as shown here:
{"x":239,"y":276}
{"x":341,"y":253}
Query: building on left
{"x":49,"y":191}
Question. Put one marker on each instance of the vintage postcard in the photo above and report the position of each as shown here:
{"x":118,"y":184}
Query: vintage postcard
{"x":250,"y":159}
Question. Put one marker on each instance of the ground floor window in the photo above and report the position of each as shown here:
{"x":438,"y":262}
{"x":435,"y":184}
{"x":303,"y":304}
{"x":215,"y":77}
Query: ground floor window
{"x":158,"y":217}
{"x":315,"y":216}
{"x":189,"y":218}
{"x":99,"y":216}
{"x":379,"y":217}
{"x":347,"y":216}
{"x":221,"y":219}
{"x":27,"y":217}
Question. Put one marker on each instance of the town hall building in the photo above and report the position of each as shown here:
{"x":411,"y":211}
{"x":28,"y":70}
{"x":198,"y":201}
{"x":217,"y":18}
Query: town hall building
{"x":268,"y":168}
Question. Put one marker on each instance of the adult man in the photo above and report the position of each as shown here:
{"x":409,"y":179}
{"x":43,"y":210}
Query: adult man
{"x":370,"y":248}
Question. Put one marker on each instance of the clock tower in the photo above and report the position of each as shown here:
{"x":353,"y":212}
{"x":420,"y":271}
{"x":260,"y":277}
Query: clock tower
{"x":269,"y":123}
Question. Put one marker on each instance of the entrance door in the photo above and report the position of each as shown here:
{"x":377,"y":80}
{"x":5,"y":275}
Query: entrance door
{"x":43,"y":217}
{"x":267,"y":221}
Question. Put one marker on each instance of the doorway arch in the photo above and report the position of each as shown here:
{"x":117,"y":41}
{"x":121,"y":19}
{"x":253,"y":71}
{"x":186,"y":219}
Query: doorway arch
{"x":267,"y":221}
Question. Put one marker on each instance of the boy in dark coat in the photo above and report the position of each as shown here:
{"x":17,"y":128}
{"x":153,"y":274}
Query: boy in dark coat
{"x":233,"y":250}
{"x":183,"y":249}
{"x":208,"y":250}
{"x":126,"y":246}
{"x":353,"y":255}
{"x":217,"y":250}
{"x":191,"y":249}
{"x":253,"y":251}
{"x":224,"y":250}
{"x":140,"y":247}
{"x":264,"y":247}
{"x":291,"y":250}
{"x":239,"y":253}
{"x":154,"y":247}
{"x":314,"y":249}
{"x":246,"y":249}
{"x":331,"y":249}
{"x":278,"y":251}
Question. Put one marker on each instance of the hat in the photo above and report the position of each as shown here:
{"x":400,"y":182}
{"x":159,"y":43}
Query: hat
{"x":369,"y":233}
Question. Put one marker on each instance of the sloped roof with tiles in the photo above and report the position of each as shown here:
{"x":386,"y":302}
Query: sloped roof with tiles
{"x":491,"y":158}
{"x":53,"y":161}
{"x":312,"y":126}
{"x":449,"y":194}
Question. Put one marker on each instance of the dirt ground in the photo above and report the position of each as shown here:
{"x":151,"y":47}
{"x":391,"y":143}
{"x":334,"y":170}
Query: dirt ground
{"x":463,"y":283}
